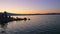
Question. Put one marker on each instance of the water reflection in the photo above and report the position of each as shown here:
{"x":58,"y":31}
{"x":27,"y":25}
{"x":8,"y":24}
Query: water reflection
{"x":3,"y":26}
{"x":42,"y":24}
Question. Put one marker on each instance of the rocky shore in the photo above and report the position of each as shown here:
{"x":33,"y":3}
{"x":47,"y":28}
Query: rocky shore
{"x":5,"y":18}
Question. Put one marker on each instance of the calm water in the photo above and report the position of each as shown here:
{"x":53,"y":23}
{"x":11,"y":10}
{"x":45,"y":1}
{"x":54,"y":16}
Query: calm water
{"x":39,"y":24}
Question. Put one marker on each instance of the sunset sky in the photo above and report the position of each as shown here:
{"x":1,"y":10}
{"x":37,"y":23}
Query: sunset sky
{"x":30,"y":6}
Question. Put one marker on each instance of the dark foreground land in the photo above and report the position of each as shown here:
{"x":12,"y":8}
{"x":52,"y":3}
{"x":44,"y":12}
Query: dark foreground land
{"x":5,"y":18}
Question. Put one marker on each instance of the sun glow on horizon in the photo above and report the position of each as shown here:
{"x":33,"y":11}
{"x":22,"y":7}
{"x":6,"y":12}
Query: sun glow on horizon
{"x":30,"y":6}
{"x":29,"y":11}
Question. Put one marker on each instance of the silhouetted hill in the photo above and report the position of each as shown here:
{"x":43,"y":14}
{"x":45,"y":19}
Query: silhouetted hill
{"x":9,"y":13}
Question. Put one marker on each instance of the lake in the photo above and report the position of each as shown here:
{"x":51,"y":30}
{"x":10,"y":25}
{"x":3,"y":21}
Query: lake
{"x":39,"y":24}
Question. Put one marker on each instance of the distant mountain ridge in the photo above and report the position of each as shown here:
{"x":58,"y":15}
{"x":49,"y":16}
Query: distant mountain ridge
{"x":31,"y":14}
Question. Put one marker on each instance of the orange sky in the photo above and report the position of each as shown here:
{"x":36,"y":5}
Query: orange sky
{"x":30,"y":11}
{"x":30,"y":6}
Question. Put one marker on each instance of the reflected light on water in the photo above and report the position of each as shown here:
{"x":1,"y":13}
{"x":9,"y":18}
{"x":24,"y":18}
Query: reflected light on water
{"x":37,"y":24}
{"x":24,"y":25}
